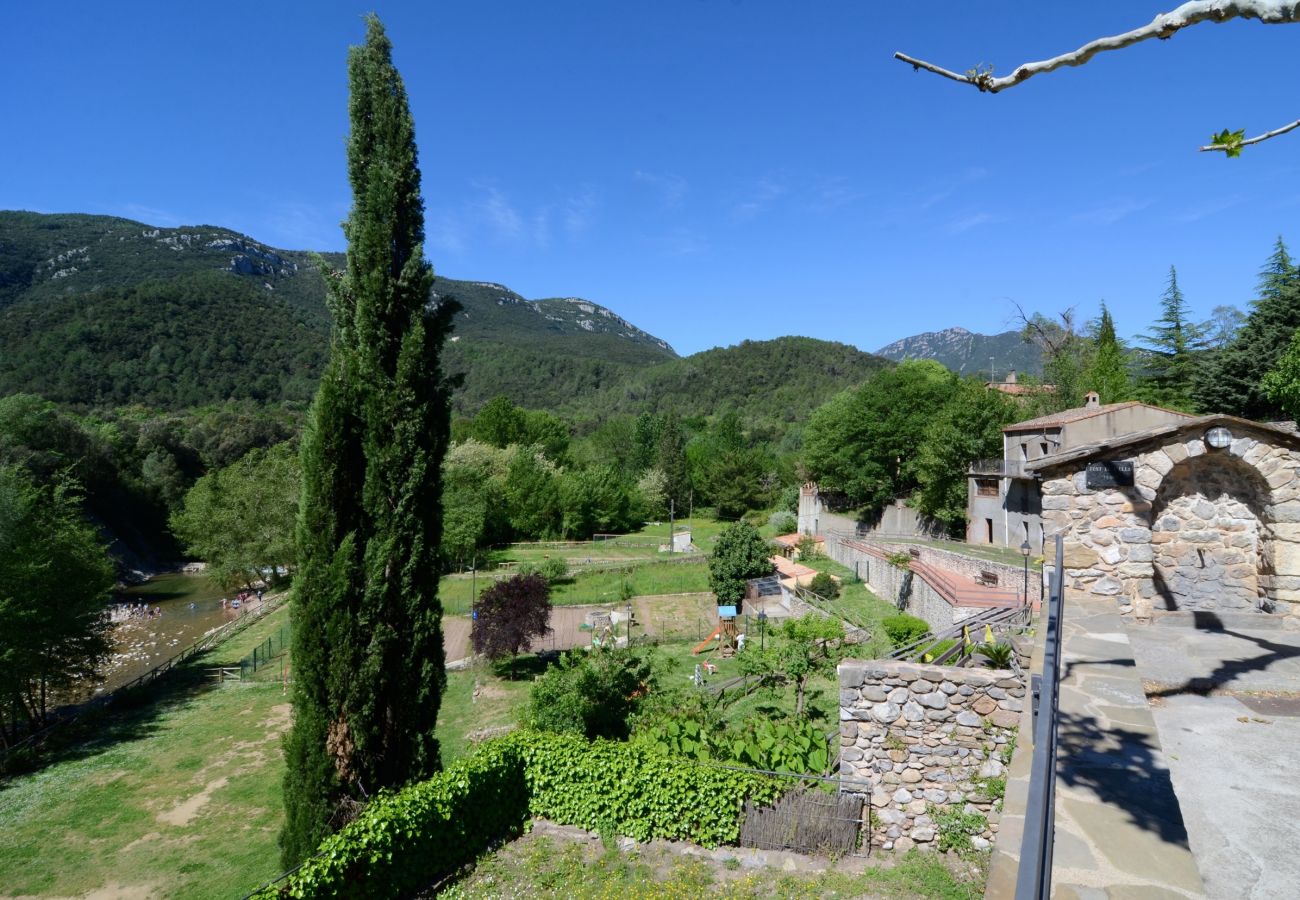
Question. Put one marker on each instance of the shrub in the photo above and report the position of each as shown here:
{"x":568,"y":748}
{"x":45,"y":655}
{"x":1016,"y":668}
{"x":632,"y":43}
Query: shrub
{"x":554,"y":568}
{"x":996,"y":656}
{"x":825,"y":586}
{"x":956,"y":828}
{"x":783,"y":522}
{"x":937,"y":649}
{"x":591,"y":694}
{"x":900,"y":560}
{"x":406,"y":839}
{"x":635,"y":791}
{"x":904,"y":629}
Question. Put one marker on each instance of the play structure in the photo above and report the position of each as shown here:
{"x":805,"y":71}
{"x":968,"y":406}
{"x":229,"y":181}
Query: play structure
{"x":725,"y":634}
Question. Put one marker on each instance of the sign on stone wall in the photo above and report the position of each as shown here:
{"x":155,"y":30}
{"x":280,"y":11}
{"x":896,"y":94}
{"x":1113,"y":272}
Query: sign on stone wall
{"x":1109,"y":473}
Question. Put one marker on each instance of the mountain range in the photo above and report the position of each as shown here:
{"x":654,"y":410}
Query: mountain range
{"x":98,"y":311}
{"x":968,"y":353}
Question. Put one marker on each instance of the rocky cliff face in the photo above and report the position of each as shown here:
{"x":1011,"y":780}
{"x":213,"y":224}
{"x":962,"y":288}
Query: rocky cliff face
{"x":967,"y":352}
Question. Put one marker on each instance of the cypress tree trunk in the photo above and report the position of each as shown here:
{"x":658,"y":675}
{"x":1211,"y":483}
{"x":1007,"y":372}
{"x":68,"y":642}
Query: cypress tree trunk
{"x":367,"y":639}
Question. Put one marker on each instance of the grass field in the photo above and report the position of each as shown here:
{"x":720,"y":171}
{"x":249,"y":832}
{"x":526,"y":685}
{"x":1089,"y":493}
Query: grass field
{"x":857,"y":605}
{"x":653,"y":577}
{"x":477,"y":700}
{"x":176,"y":794}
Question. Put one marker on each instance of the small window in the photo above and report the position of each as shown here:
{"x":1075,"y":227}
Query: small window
{"x":1043,"y":447}
{"x":986,"y":487}
{"x":988,"y":530}
{"x":1024,"y":451}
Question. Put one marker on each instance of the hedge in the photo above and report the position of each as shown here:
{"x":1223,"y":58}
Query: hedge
{"x":632,"y":790}
{"x":405,"y":840}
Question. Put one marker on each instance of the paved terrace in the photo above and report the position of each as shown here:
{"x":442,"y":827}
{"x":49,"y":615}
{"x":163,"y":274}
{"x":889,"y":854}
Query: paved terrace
{"x":956,"y":588}
{"x":1188,"y":794}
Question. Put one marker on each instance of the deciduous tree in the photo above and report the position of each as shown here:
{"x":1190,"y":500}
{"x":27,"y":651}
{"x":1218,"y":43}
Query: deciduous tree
{"x":739,"y":554}
{"x":240,"y":519}
{"x":510,"y":614}
{"x":55,"y":578}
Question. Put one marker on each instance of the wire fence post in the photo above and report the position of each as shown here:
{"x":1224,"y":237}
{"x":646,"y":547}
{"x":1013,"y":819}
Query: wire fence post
{"x":1034,"y":877}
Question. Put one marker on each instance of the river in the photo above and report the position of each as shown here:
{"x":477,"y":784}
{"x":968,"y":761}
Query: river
{"x":191,"y":607}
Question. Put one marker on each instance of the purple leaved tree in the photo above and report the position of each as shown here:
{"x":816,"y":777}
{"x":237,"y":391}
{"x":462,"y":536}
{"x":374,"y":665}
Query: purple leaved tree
{"x":508,"y":615}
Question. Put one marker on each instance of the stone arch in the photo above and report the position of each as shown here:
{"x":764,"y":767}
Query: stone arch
{"x":1211,"y":535}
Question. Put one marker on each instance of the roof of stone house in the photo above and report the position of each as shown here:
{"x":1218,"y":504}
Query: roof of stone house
{"x":1016,"y":389}
{"x":1282,"y":429}
{"x":787,"y":569}
{"x":1066,"y":416}
{"x":793,"y":540}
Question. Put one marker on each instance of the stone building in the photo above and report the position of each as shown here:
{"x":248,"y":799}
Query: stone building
{"x":1196,"y":514}
{"x":1003,"y":497}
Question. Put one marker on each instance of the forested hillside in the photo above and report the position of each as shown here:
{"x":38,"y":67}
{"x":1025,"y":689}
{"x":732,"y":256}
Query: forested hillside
{"x":99,"y":312}
{"x":775,"y":382}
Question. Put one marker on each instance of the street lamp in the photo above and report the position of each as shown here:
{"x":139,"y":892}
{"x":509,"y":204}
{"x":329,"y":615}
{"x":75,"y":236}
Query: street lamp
{"x":1024,"y":551}
{"x":762,"y":630}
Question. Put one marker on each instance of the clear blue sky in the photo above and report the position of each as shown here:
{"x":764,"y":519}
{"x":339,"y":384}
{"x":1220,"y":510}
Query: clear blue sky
{"x":711,"y":170}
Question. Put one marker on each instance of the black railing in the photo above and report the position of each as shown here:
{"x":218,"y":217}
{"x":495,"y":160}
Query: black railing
{"x":1003,"y":468}
{"x":1034,"y":878}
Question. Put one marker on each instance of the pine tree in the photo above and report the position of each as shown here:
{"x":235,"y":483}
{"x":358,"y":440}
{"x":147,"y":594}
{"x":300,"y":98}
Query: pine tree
{"x":1107,"y":374}
{"x":368,"y":654}
{"x":1171,"y":353}
{"x":1232,"y":380}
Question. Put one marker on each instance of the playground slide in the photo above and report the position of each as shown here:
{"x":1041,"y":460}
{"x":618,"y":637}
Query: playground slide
{"x":704,"y":644}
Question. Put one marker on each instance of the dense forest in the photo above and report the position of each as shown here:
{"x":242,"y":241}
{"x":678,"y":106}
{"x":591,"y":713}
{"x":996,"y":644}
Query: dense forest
{"x":166,"y":374}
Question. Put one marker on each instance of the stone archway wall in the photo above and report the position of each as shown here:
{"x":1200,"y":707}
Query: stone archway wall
{"x":1207,"y":535}
{"x":1111,"y":547}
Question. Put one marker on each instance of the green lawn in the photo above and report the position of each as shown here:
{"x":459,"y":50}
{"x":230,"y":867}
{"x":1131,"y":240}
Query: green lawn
{"x":174,"y":792}
{"x":476,"y":700}
{"x":652,"y":577}
{"x":857,"y":605}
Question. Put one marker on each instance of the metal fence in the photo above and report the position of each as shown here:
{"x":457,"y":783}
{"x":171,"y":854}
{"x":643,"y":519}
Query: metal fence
{"x":1034,"y":877}
{"x":264,"y":654}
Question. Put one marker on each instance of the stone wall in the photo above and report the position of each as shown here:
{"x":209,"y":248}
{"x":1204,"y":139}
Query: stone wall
{"x":1200,"y":528}
{"x":920,"y":739}
{"x":901,"y":587}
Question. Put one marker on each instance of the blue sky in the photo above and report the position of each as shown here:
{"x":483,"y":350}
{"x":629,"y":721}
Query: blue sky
{"x":713,"y":170}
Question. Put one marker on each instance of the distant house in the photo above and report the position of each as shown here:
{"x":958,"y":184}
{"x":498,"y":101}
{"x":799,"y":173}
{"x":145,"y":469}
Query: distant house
{"x":1004,"y":504}
{"x":789,"y":544}
{"x":1013,"y":386}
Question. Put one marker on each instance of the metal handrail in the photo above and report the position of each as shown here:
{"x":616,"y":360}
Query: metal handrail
{"x":1034,"y":877}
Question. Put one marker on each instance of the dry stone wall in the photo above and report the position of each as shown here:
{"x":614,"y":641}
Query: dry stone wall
{"x":924,"y":740}
{"x":901,"y":587}
{"x":1201,"y":528}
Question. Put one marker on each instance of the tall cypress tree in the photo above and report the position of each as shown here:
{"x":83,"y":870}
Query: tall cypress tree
{"x":368,"y":654}
{"x":1171,"y":351}
{"x":1232,"y":381}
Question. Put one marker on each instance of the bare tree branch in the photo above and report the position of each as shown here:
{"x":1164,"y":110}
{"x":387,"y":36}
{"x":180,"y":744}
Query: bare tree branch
{"x":1237,"y":145}
{"x":1163,"y":26}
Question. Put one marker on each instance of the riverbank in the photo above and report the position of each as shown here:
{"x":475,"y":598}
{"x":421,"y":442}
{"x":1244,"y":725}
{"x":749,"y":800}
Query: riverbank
{"x":175,"y":794}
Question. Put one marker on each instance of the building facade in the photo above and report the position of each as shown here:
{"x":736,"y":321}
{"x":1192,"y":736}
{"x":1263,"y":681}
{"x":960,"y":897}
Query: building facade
{"x":1004,"y":498}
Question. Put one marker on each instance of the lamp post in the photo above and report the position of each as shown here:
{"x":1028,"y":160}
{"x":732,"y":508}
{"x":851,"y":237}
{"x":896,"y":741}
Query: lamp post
{"x":1024,"y":551}
{"x":762,"y":630}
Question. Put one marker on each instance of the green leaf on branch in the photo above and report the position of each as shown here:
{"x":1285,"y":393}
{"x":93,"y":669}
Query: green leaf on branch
{"x":1230,"y":142}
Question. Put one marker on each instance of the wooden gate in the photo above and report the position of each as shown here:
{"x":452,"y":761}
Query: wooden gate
{"x":807,"y":821}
